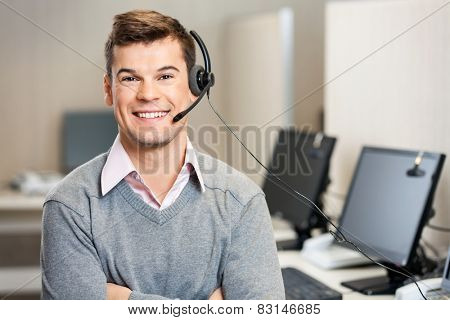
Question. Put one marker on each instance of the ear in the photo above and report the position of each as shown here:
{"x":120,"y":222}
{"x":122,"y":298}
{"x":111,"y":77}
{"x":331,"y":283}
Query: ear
{"x":107,"y":90}
{"x":192,"y":96}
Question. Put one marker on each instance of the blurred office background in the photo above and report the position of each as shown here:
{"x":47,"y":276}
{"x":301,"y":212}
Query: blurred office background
{"x":369,"y":72}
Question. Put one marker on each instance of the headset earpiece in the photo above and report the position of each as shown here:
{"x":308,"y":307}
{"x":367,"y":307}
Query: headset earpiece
{"x":196,"y":79}
{"x":201,"y":79}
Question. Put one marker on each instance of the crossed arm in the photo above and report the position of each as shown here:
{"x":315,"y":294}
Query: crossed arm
{"x":72,"y":268}
{"x":116,"y":292}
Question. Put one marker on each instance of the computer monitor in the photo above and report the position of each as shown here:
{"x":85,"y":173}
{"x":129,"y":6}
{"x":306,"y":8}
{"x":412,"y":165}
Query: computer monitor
{"x":388,"y":203}
{"x":301,"y":159}
{"x":86,"y":134}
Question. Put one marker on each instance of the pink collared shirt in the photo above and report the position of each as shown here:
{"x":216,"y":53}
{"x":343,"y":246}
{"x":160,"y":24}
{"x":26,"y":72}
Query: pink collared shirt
{"x":119,"y":166}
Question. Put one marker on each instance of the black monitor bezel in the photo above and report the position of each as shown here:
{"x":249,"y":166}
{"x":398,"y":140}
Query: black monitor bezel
{"x":428,"y":206}
{"x":330,"y":142}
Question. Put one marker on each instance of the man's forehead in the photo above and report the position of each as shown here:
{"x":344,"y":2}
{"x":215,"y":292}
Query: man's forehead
{"x":152,"y":55}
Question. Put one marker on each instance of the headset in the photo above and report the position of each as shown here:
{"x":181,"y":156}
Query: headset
{"x":200,"y":81}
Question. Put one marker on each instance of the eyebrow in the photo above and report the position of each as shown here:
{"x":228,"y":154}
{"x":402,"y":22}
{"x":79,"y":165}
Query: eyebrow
{"x":168,"y":68}
{"x":125,"y":70}
{"x":159,"y":70}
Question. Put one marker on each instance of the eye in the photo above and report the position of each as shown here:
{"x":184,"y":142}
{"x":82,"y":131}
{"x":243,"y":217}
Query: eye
{"x":129,"y":79}
{"x":165,"y":77}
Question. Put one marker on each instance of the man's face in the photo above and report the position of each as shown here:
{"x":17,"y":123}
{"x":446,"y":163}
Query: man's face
{"x":149,"y":86}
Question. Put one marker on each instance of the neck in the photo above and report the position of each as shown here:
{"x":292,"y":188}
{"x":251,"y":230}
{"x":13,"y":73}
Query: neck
{"x":158,"y":166}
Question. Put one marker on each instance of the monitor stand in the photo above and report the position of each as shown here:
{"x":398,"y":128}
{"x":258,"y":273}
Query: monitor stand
{"x":304,"y":233}
{"x":377,"y":285}
{"x":374,"y":286}
{"x":420,"y":264}
{"x":297,"y":243}
{"x":392,"y":281}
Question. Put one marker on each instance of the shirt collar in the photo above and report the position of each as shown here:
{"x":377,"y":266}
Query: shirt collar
{"x":118,"y":165}
{"x":191,"y":157}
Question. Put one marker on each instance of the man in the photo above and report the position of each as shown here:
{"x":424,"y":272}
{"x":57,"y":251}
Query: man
{"x":153,"y":218}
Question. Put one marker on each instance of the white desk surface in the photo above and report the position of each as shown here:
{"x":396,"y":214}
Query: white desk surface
{"x":332,"y":278}
{"x":13,"y":200}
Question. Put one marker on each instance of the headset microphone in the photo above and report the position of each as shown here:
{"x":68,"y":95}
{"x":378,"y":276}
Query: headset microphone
{"x":200,"y":79}
{"x":181,"y":115}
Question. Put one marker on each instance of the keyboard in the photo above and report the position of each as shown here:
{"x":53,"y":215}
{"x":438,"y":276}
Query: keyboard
{"x":300,"y":286}
{"x":437,"y":294}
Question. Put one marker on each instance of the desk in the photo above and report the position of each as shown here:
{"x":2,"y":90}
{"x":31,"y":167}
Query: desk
{"x":20,"y":213}
{"x":332,"y":278}
{"x":20,"y":229}
{"x":16,"y":201}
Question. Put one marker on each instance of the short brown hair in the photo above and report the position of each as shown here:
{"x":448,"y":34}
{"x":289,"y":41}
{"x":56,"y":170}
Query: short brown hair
{"x":147,"y":26}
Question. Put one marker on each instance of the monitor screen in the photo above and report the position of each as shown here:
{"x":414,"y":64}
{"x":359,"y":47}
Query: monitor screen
{"x":302,"y":161}
{"x":385,"y":207}
{"x":86,"y":134}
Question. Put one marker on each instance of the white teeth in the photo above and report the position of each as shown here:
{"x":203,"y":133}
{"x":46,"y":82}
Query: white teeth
{"x":151,"y":115}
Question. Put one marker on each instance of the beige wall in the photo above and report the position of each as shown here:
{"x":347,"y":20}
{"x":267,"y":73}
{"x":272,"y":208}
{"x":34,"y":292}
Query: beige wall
{"x":41,"y":77}
{"x":399,"y":97}
{"x":258,"y":85}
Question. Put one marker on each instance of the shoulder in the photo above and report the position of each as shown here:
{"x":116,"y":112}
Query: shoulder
{"x":217,"y":175}
{"x":75,"y":190}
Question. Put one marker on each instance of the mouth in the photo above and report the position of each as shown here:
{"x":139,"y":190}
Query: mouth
{"x":151,"y":115}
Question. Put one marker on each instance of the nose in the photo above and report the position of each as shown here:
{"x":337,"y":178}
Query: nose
{"x":148,"y":91}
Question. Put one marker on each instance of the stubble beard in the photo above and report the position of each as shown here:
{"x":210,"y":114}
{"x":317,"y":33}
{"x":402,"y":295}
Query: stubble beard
{"x":150,"y":138}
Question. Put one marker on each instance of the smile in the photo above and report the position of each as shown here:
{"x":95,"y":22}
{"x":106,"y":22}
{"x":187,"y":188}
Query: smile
{"x":150,"y":115}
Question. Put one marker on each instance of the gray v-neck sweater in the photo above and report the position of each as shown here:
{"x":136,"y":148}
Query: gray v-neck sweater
{"x":219,"y":238}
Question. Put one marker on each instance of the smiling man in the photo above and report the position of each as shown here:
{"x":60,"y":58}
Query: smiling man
{"x":153,"y":218}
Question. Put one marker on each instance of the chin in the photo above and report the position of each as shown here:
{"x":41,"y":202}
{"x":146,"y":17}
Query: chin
{"x":153,"y":143}
{"x":152,"y":137}
{"x":157,"y":142}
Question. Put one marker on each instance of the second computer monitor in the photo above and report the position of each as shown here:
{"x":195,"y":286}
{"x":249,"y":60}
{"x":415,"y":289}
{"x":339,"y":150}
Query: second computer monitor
{"x":302,"y":160}
{"x":86,"y":134}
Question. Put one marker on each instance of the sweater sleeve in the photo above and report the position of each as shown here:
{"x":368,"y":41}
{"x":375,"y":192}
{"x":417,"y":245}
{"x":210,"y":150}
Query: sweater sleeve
{"x":252,"y":270}
{"x":70,"y":265}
